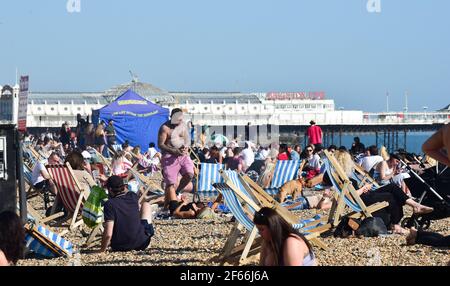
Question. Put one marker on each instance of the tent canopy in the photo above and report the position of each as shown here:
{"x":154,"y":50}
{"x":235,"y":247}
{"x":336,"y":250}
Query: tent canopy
{"x":135,"y":119}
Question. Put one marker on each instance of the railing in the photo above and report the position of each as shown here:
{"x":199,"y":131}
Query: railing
{"x":418,"y":118}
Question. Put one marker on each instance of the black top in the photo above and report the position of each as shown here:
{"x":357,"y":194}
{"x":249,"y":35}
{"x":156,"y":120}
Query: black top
{"x":128,"y":232}
{"x":111,"y":134}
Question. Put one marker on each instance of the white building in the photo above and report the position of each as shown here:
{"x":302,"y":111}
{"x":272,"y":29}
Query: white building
{"x":52,"y":109}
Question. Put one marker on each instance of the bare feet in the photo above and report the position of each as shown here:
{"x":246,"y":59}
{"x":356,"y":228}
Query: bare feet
{"x":421,"y":210}
{"x":411,"y":238}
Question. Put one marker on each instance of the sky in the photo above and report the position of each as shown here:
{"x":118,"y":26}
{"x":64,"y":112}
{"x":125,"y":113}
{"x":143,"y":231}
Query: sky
{"x":335,"y":46}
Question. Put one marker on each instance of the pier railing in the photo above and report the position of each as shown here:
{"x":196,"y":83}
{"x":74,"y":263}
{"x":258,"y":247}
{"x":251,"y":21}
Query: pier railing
{"x":405,"y":118}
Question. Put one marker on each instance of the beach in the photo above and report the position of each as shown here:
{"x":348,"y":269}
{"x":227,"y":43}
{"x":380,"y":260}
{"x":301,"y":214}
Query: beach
{"x":194,"y":242}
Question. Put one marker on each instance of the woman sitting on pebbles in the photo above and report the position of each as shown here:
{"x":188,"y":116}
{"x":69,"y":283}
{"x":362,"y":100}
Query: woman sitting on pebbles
{"x":390,"y":193}
{"x":282,"y":244}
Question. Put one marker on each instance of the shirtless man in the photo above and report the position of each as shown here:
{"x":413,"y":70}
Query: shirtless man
{"x":435,"y":145}
{"x":173,"y":140}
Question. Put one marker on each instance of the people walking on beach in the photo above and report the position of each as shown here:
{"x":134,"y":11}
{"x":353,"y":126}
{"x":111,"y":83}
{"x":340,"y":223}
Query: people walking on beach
{"x":282,"y":244}
{"x":12,"y":238}
{"x":127,"y":225}
{"x":315,"y":135}
{"x":173,"y":141}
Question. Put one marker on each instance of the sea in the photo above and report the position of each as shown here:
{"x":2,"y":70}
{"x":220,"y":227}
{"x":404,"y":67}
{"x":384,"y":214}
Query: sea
{"x":414,"y":140}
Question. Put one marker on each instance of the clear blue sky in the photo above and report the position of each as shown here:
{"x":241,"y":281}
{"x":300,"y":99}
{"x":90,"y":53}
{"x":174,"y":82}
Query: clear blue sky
{"x":334,"y":46}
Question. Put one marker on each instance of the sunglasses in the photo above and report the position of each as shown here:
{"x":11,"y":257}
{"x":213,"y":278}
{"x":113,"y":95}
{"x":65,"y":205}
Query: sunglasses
{"x":309,"y":150}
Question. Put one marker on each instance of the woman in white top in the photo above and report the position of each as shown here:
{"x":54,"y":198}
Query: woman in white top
{"x":387,"y":172}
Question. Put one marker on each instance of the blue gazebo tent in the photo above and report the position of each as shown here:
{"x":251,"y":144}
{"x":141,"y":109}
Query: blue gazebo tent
{"x":135,"y":119}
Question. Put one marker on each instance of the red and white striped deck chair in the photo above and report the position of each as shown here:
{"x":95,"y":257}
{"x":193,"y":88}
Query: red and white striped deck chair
{"x":70,"y":191}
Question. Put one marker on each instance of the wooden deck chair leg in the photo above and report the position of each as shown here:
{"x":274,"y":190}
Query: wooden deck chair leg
{"x":73,"y":225}
{"x":229,"y":245}
{"x":52,"y":217}
{"x":340,"y":206}
{"x":248,"y":244}
{"x":93,"y":234}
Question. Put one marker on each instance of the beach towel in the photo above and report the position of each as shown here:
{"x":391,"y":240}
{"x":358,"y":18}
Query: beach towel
{"x":93,"y":207}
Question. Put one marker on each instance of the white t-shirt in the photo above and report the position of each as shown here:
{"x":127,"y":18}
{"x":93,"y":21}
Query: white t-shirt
{"x":314,"y":161}
{"x":151,"y":156}
{"x":248,"y":157}
{"x":367,"y":163}
{"x":36,"y":176}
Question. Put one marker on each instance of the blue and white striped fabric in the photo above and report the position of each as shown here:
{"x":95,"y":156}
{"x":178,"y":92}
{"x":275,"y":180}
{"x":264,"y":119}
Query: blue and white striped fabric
{"x":235,"y":206}
{"x":35,"y":246}
{"x":300,"y":202}
{"x":209,"y":175}
{"x":285,"y":171}
{"x":353,"y":205}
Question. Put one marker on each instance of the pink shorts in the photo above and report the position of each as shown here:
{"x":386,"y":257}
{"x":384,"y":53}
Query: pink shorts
{"x":174,"y":165}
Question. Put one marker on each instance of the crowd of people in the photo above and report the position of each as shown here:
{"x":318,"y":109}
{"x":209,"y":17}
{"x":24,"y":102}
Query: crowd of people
{"x":129,"y":223}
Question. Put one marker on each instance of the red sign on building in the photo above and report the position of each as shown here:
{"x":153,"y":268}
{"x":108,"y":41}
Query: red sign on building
{"x":23,"y":104}
{"x":295,"y":95}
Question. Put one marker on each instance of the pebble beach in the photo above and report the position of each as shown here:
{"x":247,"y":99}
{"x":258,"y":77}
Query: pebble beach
{"x":195,"y":242}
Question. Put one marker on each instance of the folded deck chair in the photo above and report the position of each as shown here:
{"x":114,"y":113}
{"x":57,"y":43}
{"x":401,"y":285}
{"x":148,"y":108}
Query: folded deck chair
{"x":243,"y":207}
{"x":70,"y":191}
{"x":209,"y":175}
{"x":346,"y":194}
{"x":46,"y":243}
{"x":285,"y":171}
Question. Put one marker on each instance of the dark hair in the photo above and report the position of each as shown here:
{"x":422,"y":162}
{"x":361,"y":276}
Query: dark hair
{"x":342,"y":148}
{"x":12,"y":236}
{"x":236,"y":151}
{"x":76,"y":160}
{"x":373,"y":150}
{"x":394,"y":156}
{"x":125,"y":145}
{"x":332,"y":147}
{"x":356,"y":139}
{"x":175,"y":110}
{"x":151,"y":145}
{"x":279,"y":230}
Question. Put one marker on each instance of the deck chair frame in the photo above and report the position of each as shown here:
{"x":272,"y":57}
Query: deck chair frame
{"x":74,"y":224}
{"x":250,"y":244}
{"x":347,"y":191}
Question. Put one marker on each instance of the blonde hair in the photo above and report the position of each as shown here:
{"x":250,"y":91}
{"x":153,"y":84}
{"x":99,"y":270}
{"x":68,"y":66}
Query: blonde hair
{"x":384,"y":153}
{"x":345,"y":160}
{"x":98,"y":130}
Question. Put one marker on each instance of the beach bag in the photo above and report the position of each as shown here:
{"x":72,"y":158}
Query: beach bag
{"x":93,"y":207}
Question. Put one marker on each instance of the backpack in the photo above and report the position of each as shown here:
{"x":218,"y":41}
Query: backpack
{"x":93,"y":207}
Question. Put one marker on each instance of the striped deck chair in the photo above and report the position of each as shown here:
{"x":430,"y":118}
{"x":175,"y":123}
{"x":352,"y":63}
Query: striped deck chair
{"x":346,"y":194}
{"x":209,"y":175}
{"x":243,"y":205}
{"x":46,"y":243}
{"x":285,"y":171}
{"x":70,"y":191}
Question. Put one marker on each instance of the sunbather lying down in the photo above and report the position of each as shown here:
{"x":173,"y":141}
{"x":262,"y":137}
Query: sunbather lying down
{"x":299,"y":200}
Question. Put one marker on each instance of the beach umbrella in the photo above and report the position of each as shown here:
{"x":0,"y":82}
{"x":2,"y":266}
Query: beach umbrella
{"x":219,"y":138}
